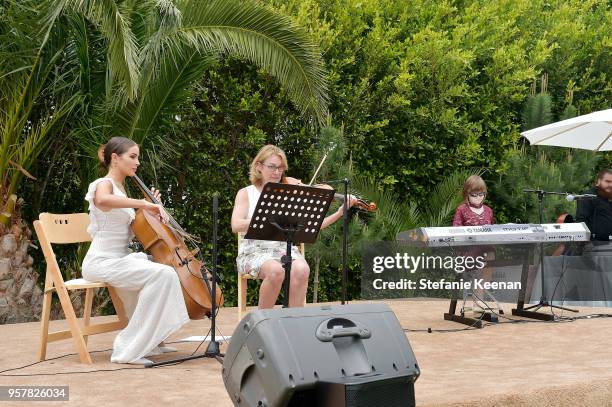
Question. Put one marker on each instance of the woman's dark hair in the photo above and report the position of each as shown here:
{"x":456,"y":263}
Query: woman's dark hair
{"x":117,"y":145}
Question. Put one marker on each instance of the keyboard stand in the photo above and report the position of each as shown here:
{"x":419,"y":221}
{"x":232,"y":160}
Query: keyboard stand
{"x":461,"y":318}
{"x":481,"y":306}
{"x":484,"y":311}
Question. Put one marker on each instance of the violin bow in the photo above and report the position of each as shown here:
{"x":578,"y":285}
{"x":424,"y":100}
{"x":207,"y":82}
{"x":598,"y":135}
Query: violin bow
{"x":318,"y":169}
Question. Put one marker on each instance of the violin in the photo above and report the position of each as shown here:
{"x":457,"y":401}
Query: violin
{"x":360,"y":203}
{"x":166,"y":243}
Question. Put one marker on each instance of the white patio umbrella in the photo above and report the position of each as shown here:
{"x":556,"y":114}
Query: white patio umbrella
{"x":591,"y":131}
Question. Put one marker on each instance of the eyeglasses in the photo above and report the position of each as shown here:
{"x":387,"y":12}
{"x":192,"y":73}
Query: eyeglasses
{"x":274,"y":168}
{"x":477,"y":194}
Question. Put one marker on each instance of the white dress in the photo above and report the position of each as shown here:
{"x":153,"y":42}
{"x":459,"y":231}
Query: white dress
{"x":151,"y":292}
{"x":252,"y":253}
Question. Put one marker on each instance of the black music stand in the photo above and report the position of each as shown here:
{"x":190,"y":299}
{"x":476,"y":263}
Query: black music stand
{"x":292,"y":214}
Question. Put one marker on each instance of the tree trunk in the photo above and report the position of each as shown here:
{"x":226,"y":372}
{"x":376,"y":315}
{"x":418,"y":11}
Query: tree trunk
{"x":20,"y":296}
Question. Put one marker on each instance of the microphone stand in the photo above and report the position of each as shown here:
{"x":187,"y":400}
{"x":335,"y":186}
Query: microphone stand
{"x":532,"y":311}
{"x":345,"y":219}
{"x":213,"y":350}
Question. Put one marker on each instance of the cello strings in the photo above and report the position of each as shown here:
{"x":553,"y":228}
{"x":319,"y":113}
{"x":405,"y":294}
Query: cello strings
{"x":175,"y":227}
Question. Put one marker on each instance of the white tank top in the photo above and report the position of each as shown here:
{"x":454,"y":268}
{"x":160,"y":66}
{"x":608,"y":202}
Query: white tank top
{"x":253,"y":195}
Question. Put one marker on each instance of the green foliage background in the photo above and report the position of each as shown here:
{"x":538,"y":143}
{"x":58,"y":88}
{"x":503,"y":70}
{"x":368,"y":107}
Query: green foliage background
{"x":421,"y":88}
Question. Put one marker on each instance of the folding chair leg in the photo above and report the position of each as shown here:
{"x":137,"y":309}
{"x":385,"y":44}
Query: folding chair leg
{"x":77,"y":333}
{"x":44,"y":323}
{"x":87,"y":309}
{"x":242,"y":296}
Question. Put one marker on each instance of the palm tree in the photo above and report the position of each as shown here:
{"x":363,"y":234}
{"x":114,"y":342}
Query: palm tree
{"x":100,"y":68}
{"x":36,"y":97}
{"x":155,"y":51}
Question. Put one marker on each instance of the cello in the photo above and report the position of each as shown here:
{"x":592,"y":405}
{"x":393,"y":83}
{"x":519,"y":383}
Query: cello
{"x":166,"y":243}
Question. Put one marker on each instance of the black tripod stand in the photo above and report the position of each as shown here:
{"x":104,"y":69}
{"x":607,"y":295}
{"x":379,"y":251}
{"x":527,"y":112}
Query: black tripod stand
{"x":532,"y":311}
{"x":213,"y":350}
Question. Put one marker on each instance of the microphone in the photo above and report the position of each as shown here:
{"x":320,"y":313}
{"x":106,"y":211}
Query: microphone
{"x":571,"y":197}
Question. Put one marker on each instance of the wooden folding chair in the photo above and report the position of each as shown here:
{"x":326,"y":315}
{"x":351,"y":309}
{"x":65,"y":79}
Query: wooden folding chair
{"x":63,"y":229}
{"x":243,"y":287}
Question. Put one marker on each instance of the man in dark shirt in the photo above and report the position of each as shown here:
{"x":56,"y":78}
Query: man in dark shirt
{"x":597,"y":212}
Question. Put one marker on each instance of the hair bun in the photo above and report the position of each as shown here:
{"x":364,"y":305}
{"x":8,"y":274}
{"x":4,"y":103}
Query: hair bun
{"x":101,"y":153}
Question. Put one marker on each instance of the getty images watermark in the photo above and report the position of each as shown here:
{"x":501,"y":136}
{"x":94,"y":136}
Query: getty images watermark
{"x":458,"y":264}
{"x":395,"y":271}
{"x":574,"y":273}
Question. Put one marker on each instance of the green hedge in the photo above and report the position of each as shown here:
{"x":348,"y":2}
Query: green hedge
{"x":421,"y":88}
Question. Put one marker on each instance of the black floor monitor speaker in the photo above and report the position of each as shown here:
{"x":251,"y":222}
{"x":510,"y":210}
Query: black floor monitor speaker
{"x":331,"y":355}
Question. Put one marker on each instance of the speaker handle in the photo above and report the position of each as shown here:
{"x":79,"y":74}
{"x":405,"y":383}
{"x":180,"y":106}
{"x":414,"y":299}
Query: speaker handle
{"x":341,"y":328}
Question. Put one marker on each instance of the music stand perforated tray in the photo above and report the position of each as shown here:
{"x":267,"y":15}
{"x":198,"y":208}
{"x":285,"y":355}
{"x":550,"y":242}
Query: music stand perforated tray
{"x":287,"y":205}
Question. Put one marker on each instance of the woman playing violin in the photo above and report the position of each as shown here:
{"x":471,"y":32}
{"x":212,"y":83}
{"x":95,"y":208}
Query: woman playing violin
{"x":150,"y":292}
{"x":261,"y":258}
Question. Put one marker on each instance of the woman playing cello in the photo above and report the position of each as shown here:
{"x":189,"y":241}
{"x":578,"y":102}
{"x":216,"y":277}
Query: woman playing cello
{"x":150,"y":292}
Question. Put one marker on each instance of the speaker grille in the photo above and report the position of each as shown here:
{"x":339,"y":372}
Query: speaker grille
{"x":394,"y":392}
{"x":367,"y":391}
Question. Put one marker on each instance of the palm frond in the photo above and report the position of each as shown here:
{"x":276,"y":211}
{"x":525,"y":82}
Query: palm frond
{"x":170,"y":88}
{"x":38,"y":136}
{"x":396,"y":214}
{"x":113,"y":21}
{"x":21,"y":97}
{"x":259,"y":35}
{"x":78,"y":50}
